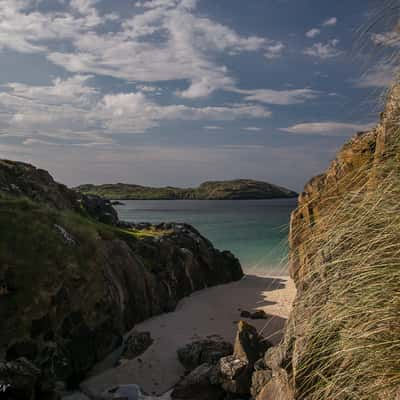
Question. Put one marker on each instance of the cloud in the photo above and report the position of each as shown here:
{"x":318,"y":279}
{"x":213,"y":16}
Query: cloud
{"x":280,"y":97}
{"x":330,"y":22}
{"x":380,"y":76}
{"x":312,"y":33}
{"x":72,"y":109}
{"x":252,"y":129}
{"x":162,"y":41}
{"x":328,"y":128}
{"x":274,"y":50}
{"x":213,"y":128}
{"x":324,"y":50}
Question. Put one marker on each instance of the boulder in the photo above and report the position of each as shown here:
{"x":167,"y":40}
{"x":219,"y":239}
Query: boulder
{"x":235,"y":372}
{"x":136,"y":344}
{"x":123,"y":392}
{"x":258,"y":314}
{"x":75,"y":396}
{"x":203,"y":351}
{"x":18,"y":379}
{"x":249,"y":345}
{"x":200,"y":384}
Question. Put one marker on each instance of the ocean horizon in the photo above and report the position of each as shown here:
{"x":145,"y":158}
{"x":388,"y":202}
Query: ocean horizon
{"x":255,"y":231}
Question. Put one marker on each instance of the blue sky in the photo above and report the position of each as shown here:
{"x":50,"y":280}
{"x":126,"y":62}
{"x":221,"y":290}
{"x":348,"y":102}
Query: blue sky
{"x":175,"y":92}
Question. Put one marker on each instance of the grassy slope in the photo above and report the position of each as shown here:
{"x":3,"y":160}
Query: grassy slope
{"x":35,"y":259}
{"x":219,"y":190}
{"x":348,"y":309}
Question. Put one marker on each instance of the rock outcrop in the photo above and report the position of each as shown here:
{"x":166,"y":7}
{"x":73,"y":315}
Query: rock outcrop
{"x":73,"y":279}
{"x":344,"y":250}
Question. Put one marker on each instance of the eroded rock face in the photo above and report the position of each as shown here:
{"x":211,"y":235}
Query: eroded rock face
{"x":235,"y":372}
{"x":203,"y":352}
{"x":200,"y":384}
{"x":358,"y":167}
{"x":70,"y":287}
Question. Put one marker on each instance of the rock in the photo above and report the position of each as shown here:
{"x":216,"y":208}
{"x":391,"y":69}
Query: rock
{"x":234,"y":375}
{"x":258,"y":380}
{"x":245,"y":314}
{"x":123,"y":392}
{"x":100,"y":209}
{"x":66,"y":307}
{"x":203,"y":351}
{"x":117,"y":203}
{"x":199,"y":385}
{"x":136,"y":344}
{"x":258,"y":314}
{"x":249,"y":345}
{"x":19,"y":379}
{"x":75,"y":396}
{"x":235,"y":372}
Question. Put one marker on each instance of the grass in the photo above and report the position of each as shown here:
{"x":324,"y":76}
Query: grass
{"x":349,"y":306}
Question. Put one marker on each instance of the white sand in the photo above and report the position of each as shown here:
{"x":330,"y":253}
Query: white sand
{"x":211,"y":312}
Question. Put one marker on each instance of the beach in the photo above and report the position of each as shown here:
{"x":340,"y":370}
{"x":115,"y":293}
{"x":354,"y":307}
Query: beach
{"x":210,"y":313}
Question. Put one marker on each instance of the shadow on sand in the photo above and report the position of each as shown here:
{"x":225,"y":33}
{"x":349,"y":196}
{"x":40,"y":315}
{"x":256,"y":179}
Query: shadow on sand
{"x":210,"y":313}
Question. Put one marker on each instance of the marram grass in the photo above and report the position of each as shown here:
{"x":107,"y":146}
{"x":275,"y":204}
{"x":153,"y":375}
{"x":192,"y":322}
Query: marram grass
{"x":351,"y":300}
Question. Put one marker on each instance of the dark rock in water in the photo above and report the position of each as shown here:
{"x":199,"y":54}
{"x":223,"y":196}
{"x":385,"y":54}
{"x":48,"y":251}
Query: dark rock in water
{"x":235,"y":372}
{"x":136,"y":344}
{"x":258,"y":314}
{"x":199,"y":385}
{"x":117,"y":203}
{"x":203,"y":351}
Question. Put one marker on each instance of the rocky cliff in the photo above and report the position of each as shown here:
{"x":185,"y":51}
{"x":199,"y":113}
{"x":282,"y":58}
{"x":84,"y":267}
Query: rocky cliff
{"x":342,"y":339}
{"x":73,"y":278}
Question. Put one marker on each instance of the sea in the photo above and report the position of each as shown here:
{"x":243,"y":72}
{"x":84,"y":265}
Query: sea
{"x":255,"y":231}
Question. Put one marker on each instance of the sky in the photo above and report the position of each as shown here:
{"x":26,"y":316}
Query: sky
{"x":176,"y":92}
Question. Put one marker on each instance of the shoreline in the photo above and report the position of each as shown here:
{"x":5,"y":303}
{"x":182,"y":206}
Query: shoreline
{"x":209,"y":313}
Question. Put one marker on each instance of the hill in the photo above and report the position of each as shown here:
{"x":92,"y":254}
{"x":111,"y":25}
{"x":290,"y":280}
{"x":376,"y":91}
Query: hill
{"x":74,"y":279}
{"x":239,"y":189}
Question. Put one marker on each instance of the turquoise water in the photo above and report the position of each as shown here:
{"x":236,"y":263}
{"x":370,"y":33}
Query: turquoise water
{"x":254,"y":230}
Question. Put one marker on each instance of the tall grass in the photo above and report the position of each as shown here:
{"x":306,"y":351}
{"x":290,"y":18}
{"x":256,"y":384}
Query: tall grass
{"x":349,"y":307}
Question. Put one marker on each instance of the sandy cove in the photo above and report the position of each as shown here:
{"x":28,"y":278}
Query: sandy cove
{"x":213,"y":312}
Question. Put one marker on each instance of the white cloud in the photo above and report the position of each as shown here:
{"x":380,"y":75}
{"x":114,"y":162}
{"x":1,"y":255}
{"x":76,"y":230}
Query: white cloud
{"x":274,"y":50}
{"x":380,"y":76}
{"x":330,"y":22}
{"x":213,"y":128}
{"x":252,"y":129}
{"x":71,"y":109}
{"x":186,"y":45}
{"x":328,"y":128}
{"x":324,"y":50}
{"x":280,"y":97}
{"x":312,"y":33}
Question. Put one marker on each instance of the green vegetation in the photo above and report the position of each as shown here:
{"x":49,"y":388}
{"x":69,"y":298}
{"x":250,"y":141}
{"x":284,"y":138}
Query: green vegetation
{"x":350,"y":305}
{"x":240,"y":189}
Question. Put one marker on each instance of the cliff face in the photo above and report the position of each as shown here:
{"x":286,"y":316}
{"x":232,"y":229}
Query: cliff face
{"x":71,"y":285}
{"x":341,"y":340}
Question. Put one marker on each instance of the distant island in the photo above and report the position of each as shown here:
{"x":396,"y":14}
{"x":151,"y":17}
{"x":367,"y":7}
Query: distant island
{"x":239,"y":189}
